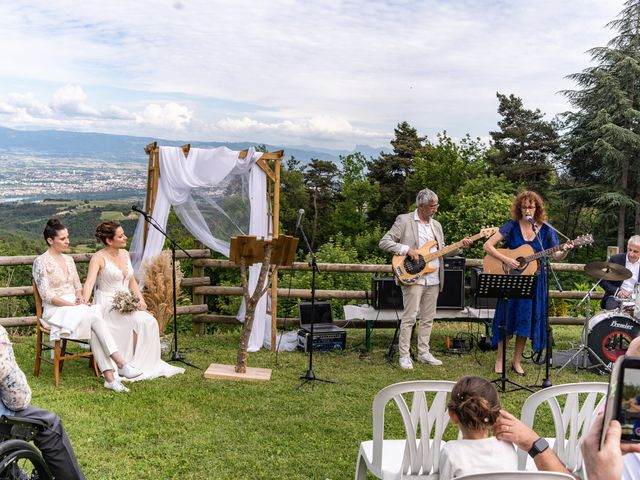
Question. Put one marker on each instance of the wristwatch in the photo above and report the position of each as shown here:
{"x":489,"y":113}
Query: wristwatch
{"x":539,"y":446}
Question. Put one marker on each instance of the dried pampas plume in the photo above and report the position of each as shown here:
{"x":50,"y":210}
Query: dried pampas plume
{"x":158,"y":291}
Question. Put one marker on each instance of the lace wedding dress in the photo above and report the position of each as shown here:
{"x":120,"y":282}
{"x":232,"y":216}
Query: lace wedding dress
{"x":143,"y":348}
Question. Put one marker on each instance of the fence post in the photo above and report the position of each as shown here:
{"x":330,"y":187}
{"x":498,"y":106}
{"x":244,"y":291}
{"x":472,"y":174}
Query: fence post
{"x":197,"y":299}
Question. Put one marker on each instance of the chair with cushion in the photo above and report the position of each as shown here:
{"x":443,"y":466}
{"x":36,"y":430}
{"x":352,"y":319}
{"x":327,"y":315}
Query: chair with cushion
{"x":422,"y":404}
{"x":573,"y":408}
{"x":510,"y":475}
{"x":59,"y":348}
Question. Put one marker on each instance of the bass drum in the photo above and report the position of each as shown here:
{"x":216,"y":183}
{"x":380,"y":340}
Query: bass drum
{"x":609,"y":336}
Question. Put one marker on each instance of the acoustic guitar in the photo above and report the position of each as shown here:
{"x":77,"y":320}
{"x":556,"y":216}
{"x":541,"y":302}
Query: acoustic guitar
{"x":409,"y":271}
{"x":525,"y":255}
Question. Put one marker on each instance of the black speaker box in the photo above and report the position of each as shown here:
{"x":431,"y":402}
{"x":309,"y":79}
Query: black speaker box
{"x":452,"y":294}
{"x":479,"y":302}
{"x":386,"y":294}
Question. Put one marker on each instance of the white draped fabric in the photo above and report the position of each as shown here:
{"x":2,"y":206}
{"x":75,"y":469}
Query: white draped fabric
{"x":196,"y":186}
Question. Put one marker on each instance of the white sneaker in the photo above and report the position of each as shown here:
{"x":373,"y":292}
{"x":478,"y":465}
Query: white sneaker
{"x":116,"y":386}
{"x":129,"y":371}
{"x":406,"y":363}
{"x":429,"y":358}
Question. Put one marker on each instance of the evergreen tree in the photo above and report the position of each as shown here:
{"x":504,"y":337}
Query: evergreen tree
{"x":293,"y":195}
{"x":525,"y":145}
{"x":602,"y":161}
{"x":390,"y":172}
{"x":323,"y":184}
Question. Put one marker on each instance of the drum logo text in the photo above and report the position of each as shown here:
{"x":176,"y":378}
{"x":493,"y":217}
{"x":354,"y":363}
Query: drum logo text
{"x":621,"y":325}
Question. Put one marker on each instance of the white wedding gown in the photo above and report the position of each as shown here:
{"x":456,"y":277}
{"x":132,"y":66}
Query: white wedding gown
{"x":145,"y":354}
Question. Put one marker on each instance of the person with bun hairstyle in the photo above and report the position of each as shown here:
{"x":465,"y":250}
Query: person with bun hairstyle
{"x":136,"y":333}
{"x":474,"y":407}
{"x":66,"y":312}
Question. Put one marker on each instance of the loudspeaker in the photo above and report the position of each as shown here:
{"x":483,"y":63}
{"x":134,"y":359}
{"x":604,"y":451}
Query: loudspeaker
{"x":479,"y":302}
{"x":452,"y":294}
{"x":386,"y":294}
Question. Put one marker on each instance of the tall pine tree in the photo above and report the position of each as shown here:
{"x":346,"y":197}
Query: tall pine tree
{"x":390,"y":172}
{"x":602,"y":158}
{"x":525,"y":146}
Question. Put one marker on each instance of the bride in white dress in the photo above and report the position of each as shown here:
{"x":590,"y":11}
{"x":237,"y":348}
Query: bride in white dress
{"x":136,"y":333}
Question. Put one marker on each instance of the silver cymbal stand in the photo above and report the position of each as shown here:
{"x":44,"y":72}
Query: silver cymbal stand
{"x":584,"y":337}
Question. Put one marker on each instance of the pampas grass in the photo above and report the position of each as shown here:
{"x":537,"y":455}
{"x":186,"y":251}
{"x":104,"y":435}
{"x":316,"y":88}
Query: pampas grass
{"x":158,"y":291}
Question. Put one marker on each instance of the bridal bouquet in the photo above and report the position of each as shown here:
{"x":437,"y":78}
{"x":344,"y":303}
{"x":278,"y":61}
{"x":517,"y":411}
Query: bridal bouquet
{"x":125,"y":301}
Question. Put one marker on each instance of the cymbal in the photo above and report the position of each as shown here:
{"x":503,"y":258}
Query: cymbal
{"x":607,"y":271}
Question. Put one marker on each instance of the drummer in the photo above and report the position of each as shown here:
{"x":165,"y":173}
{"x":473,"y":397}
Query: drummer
{"x":619,"y":291}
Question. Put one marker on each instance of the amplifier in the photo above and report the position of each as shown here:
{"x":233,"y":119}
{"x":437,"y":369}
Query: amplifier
{"x":452,"y":294}
{"x":479,"y":302}
{"x":335,"y":340}
{"x":385,"y":293}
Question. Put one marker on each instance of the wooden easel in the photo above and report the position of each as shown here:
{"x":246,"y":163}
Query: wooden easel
{"x":246,"y":251}
{"x":269,"y":162}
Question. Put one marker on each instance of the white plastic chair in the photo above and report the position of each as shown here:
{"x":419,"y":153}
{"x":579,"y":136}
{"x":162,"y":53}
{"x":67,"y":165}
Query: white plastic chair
{"x":571,"y":422}
{"x":510,"y":475}
{"x":416,"y":456}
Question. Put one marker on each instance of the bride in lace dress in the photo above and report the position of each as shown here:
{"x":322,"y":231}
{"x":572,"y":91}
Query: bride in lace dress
{"x":136,"y":333}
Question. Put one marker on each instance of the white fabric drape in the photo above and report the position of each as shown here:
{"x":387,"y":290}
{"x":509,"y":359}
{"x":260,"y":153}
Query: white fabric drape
{"x":183,"y":178}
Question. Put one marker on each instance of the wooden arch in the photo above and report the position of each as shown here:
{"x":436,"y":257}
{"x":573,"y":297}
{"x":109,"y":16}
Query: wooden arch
{"x":269,"y":162}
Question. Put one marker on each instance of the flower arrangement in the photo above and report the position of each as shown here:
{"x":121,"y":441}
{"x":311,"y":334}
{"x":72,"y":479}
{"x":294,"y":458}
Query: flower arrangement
{"x":125,"y":301}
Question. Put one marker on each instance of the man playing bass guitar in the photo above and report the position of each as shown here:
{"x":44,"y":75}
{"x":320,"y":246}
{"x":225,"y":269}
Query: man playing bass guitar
{"x":408,"y":233}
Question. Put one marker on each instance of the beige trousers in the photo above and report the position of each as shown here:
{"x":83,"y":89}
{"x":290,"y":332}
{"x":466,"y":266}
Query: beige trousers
{"x":423,"y":299}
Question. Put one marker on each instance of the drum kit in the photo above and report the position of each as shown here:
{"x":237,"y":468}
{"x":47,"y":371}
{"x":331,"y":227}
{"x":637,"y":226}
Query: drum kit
{"x":606,"y":335}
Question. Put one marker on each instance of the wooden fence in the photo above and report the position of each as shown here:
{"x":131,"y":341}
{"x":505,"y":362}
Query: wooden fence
{"x":201,"y":287}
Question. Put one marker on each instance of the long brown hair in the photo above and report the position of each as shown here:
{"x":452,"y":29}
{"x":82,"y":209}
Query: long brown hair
{"x":516,"y":207}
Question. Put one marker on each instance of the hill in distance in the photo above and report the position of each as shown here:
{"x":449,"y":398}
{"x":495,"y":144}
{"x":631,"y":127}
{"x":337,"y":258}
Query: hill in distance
{"x":125,"y":148}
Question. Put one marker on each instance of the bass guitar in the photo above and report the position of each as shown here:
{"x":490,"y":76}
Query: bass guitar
{"x":409,"y":271}
{"x":525,"y":255}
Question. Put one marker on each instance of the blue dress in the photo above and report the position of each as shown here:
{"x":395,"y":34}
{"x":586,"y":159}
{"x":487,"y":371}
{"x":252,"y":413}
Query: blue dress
{"x":525,"y":318}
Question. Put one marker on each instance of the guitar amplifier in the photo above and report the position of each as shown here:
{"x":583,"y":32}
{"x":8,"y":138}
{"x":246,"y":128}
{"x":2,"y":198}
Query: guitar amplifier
{"x":452,"y":294}
{"x":479,"y":302}
{"x":324,"y":341}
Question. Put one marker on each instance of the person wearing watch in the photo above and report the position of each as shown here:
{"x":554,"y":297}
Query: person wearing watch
{"x":511,"y":429}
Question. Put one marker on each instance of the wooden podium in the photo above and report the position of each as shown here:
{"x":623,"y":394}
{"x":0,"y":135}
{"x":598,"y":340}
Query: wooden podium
{"x":246,"y":251}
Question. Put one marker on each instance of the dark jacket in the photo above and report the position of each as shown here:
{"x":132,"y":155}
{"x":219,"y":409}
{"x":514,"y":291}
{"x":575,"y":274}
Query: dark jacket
{"x":610,"y":286}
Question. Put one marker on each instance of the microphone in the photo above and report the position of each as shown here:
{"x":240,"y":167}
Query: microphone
{"x":530,"y":219}
{"x":300,"y":214}
{"x":135,"y":208}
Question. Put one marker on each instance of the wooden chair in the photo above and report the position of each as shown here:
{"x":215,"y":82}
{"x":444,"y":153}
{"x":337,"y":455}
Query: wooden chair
{"x":59,"y":348}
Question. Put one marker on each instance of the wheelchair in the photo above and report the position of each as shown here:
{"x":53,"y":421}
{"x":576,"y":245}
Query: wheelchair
{"x":19,"y":459}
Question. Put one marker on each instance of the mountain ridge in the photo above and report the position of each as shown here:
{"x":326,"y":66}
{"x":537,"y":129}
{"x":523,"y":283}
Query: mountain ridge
{"x":128,"y":148}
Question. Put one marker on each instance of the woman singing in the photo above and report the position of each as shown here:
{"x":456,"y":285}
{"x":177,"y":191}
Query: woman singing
{"x":525,"y":318}
{"x":67,"y":312}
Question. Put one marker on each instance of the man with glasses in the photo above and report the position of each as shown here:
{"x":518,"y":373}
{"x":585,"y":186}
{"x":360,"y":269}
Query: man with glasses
{"x":620,"y":291}
{"x":409,"y":232}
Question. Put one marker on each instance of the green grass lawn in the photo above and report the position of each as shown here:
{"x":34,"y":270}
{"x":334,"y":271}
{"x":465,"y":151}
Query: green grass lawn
{"x":190,"y":428}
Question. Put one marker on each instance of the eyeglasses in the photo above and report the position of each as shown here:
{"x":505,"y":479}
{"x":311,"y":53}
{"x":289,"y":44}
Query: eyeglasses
{"x":432,"y":207}
{"x":528,"y":207}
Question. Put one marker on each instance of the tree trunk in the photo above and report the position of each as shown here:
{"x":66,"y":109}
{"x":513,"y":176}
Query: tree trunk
{"x":251,"y":301}
{"x":622,"y":212}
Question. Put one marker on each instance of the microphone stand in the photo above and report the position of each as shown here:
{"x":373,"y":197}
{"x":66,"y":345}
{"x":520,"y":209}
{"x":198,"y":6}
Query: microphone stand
{"x":176,"y":356}
{"x":310,"y":376}
{"x":546,"y":382}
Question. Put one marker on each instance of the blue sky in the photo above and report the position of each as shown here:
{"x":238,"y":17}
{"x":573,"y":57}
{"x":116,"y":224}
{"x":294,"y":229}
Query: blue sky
{"x":324,"y":73}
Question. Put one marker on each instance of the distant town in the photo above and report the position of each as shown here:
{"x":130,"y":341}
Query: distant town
{"x":30,"y":179}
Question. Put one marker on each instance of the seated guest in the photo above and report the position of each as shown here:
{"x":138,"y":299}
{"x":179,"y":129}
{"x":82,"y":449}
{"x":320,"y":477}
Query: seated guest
{"x":67,"y":312}
{"x":15,"y":396}
{"x":474,"y":407}
{"x":619,"y":291}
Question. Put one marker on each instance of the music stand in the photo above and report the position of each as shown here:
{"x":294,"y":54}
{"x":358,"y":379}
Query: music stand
{"x":506,"y":287}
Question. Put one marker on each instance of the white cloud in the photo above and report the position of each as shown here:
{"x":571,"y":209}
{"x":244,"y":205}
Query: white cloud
{"x":171,"y":116}
{"x":294,"y":70}
{"x":71,"y":100}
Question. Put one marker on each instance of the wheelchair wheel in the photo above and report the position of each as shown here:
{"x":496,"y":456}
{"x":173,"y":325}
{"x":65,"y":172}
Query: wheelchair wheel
{"x":19,"y":460}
